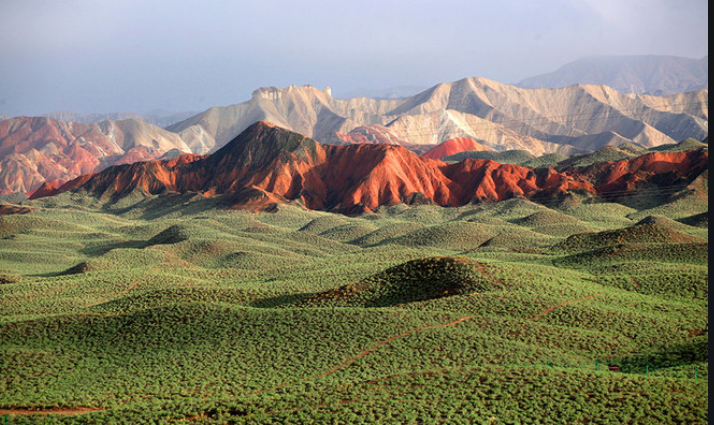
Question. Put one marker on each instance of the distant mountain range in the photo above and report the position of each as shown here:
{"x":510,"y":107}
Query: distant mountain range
{"x":267,"y":166}
{"x":498,"y":116}
{"x":655,"y":75}
{"x":494,"y":116}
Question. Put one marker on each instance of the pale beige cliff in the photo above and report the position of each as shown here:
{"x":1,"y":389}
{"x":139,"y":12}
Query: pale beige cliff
{"x":500,"y":116}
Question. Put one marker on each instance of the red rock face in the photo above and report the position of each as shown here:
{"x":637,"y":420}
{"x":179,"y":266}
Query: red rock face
{"x":454,"y":146}
{"x":267,"y":165}
{"x":38,"y":149}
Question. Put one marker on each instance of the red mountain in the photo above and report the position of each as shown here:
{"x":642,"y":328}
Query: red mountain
{"x":266,"y":165}
{"x":454,"y":146}
{"x":38,"y":149}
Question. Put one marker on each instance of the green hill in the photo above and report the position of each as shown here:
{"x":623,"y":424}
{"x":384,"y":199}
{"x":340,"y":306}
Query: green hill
{"x":510,"y":312}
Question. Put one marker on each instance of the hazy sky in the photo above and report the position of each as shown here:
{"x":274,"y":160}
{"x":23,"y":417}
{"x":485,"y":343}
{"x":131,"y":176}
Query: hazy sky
{"x":138,"y":55}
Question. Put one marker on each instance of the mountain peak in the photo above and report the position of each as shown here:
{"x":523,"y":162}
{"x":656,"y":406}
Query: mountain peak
{"x":274,"y":93}
{"x":261,"y":143}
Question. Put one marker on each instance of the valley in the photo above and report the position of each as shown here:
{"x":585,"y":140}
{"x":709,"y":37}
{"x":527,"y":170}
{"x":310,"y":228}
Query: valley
{"x":170,"y":307}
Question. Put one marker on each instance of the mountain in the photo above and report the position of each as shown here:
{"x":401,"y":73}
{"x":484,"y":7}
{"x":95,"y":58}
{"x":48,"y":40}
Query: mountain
{"x":655,"y":75}
{"x":39,"y":149}
{"x":575,"y":119}
{"x":267,"y":165}
{"x":565,"y":121}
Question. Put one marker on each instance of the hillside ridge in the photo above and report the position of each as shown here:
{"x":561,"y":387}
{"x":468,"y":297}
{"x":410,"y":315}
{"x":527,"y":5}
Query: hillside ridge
{"x":267,"y":165}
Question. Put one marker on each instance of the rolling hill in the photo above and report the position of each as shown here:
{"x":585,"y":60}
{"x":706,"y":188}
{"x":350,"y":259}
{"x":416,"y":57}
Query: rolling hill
{"x":166,"y":309}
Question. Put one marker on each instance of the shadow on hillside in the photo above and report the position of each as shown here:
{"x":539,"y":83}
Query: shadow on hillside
{"x":166,"y":204}
{"x":97,"y":250}
{"x":675,"y":356}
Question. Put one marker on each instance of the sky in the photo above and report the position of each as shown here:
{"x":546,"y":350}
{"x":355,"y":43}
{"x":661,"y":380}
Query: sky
{"x":102,"y":56}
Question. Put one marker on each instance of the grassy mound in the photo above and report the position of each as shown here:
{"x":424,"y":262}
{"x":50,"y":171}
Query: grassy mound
{"x":651,"y":230}
{"x":29,"y":224}
{"x":172,"y":235}
{"x":163,"y":297}
{"x":606,"y":154}
{"x":685,"y":145}
{"x":118,"y":259}
{"x":323,"y":224}
{"x":697,"y":220}
{"x":547,"y":160}
{"x":248,"y":260}
{"x":547,"y":217}
{"x":607,"y":215}
{"x":523,"y":240}
{"x":651,"y":278}
{"x":683,"y":253}
{"x":416,"y":280}
{"x":553,"y":223}
{"x":386,"y":233}
{"x":348,"y":232}
{"x":457,"y":236}
{"x":506,"y":157}
{"x":512,"y":209}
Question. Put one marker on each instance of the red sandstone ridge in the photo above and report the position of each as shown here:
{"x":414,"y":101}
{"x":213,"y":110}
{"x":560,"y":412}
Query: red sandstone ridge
{"x":454,"y":146}
{"x":267,"y":165}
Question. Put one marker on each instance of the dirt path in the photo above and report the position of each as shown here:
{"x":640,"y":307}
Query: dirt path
{"x":385,"y":342}
{"x":364,"y":353}
{"x":50,"y":411}
{"x":421,"y":328}
{"x":410,"y":331}
{"x":550,"y":309}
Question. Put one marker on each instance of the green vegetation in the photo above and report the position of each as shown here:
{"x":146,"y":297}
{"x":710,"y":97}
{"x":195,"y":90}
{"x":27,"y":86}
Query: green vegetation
{"x":606,"y":154}
{"x":518,"y":157}
{"x":158,"y":312}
